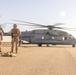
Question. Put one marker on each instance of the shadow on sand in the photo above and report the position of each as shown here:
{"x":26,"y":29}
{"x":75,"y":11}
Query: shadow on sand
{"x":50,"y":46}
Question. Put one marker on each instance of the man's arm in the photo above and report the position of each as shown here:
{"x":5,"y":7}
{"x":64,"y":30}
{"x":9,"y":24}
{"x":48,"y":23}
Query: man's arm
{"x":11,"y":33}
{"x":19,"y":33}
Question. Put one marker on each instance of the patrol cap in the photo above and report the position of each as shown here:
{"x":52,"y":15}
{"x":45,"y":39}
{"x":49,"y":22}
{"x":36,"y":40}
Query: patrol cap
{"x":14,"y":25}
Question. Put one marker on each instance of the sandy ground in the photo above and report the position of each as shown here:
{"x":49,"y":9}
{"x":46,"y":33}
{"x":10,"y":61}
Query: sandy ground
{"x":34,"y":60}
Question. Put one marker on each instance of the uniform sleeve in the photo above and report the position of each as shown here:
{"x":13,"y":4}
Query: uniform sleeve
{"x":19,"y":33}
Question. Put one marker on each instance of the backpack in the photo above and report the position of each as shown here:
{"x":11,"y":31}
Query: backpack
{"x":15,"y":32}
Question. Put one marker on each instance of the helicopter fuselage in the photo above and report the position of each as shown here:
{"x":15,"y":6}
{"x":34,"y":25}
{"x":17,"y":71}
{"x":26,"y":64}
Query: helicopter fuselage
{"x":54,"y":37}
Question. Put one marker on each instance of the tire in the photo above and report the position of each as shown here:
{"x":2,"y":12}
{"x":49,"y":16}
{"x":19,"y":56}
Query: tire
{"x":39,"y":45}
{"x":47,"y":45}
{"x":73,"y":45}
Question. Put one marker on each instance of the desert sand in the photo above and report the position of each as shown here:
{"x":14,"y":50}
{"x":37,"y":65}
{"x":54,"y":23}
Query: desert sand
{"x":34,"y":60}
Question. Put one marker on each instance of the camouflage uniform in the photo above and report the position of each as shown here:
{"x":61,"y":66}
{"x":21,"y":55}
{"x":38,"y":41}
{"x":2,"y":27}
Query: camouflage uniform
{"x":1,"y":36}
{"x":15,"y":33}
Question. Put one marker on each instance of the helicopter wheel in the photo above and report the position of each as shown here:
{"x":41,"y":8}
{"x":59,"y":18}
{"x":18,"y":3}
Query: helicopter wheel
{"x":73,"y":45}
{"x":19,"y":43}
{"x":47,"y":45}
{"x":39,"y":45}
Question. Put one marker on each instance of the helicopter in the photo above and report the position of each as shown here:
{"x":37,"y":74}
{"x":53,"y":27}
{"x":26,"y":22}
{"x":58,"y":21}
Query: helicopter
{"x":52,"y":35}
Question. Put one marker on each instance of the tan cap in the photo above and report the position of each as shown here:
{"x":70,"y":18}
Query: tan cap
{"x":14,"y":25}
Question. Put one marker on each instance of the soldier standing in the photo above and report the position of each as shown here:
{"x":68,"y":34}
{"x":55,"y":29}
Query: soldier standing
{"x":1,"y":36}
{"x":15,"y":33}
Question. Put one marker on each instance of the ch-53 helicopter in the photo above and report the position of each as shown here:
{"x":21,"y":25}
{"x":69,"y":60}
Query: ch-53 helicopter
{"x":52,"y":35}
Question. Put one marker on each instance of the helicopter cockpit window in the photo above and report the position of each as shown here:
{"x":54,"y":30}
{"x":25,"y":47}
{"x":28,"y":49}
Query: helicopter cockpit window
{"x":64,"y":38}
{"x":72,"y":37}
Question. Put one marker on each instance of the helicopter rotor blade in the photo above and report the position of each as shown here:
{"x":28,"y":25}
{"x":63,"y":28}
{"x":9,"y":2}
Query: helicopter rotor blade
{"x":65,"y":28}
{"x":48,"y":26}
{"x":44,"y":26}
{"x":58,"y":24}
{"x":3,"y":25}
{"x":62,"y":28}
{"x":17,"y":23}
{"x":28,"y":22}
{"x":38,"y":24}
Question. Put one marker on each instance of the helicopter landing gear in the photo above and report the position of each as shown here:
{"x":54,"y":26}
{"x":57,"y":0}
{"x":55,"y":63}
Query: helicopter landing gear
{"x":73,"y":45}
{"x":47,"y":45}
{"x":39,"y":45}
{"x":20,"y":43}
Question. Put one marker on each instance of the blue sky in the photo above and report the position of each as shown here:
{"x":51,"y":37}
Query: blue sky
{"x":38,"y":11}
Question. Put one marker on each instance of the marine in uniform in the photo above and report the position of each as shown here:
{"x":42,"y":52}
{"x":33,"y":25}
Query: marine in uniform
{"x":15,"y":33}
{"x":1,"y":36}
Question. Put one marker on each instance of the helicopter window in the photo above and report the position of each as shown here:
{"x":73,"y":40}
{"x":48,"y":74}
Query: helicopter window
{"x":52,"y":37}
{"x":65,"y":38}
{"x":72,"y":37}
{"x":43,"y":37}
